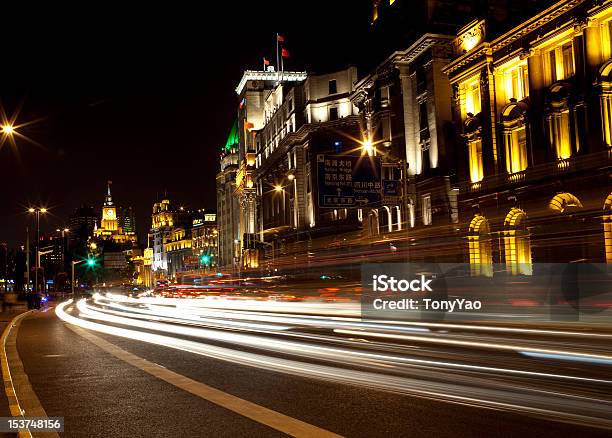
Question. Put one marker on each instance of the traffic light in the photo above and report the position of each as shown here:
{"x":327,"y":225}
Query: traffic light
{"x":205,"y":259}
{"x":91,"y":262}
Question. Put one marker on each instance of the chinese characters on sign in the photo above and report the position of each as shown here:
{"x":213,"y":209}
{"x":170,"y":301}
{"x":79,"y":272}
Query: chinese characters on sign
{"x":347,"y":181}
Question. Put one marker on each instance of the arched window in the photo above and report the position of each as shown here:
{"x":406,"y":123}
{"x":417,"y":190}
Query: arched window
{"x":607,"y":223}
{"x":517,"y":243}
{"x":387,"y":218}
{"x":559,"y":116}
{"x":562,"y":201}
{"x":514,"y":127}
{"x":605,"y":100}
{"x":479,"y":241}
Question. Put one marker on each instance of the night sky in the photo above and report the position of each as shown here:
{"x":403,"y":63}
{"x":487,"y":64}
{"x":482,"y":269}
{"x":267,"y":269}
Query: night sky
{"x":144,"y":97}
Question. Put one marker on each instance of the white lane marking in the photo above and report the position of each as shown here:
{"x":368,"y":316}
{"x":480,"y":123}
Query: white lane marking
{"x":22,"y":390}
{"x":255,"y":412}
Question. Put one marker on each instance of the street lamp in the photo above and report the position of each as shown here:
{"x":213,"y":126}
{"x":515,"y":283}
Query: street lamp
{"x":8,"y":129}
{"x":37,"y":211}
{"x":368,"y":147}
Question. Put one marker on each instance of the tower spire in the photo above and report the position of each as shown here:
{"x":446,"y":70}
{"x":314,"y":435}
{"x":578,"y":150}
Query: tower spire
{"x":109,"y":198}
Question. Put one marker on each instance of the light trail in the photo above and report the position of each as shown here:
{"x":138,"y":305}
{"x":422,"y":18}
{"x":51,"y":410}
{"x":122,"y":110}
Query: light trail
{"x":313,"y":345}
{"x":304,"y":349}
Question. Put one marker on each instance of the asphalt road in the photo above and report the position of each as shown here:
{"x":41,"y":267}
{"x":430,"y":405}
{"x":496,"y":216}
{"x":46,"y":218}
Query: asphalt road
{"x":102,"y":395}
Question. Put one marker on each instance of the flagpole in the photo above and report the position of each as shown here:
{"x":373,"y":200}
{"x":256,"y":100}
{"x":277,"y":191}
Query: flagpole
{"x":277,"y":61}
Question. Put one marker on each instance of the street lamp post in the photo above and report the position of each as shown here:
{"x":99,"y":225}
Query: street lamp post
{"x":37,"y":211}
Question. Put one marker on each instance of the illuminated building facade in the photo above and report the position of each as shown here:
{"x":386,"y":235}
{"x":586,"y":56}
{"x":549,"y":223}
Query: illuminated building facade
{"x":397,"y":24}
{"x":532,"y":107}
{"x":169,"y":240}
{"x":301,"y":119}
{"x":205,"y":238}
{"x":405,"y":105}
{"x":253,"y":92}
{"x":228,"y":208}
{"x":178,"y":251}
{"x":109,"y":228}
{"x":162,"y":221}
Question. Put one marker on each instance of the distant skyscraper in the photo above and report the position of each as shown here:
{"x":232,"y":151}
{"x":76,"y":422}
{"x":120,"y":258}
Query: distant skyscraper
{"x":82,"y":223}
{"x":127,"y":219}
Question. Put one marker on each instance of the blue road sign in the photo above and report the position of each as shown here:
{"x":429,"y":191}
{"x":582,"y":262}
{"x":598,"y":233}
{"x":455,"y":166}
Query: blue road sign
{"x":391,"y":187}
{"x":348,"y":181}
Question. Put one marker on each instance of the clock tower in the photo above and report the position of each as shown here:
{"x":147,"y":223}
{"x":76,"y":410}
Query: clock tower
{"x":109,"y":212}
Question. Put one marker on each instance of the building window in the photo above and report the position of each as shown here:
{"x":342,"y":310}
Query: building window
{"x":559,"y":63}
{"x":568,"y":60}
{"x":516,"y":80}
{"x":515,"y":141}
{"x":424,"y":121}
{"x":479,"y":241}
{"x":558,"y":120}
{"x":426,"y":208}
{"x":472,"y":98}
{"x":333,"y":113}
{"x":517,"y":243}
{"x":475,"y":157}
{"x":333,"y":87}
{"x":515,"y":137}
{"x":559,"y":134}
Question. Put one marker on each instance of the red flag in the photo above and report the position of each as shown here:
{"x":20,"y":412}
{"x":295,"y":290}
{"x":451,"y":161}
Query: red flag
{"x":280,"y":38}
{"x":266,"y":61}
{"x":284,"y":53}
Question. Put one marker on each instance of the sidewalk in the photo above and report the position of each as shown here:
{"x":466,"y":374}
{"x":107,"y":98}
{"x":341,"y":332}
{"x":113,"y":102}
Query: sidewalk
{"x":5,"y":319}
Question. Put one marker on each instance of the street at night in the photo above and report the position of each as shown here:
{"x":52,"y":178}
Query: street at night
{"x":375,"y":218}
{"x":278,"y":372}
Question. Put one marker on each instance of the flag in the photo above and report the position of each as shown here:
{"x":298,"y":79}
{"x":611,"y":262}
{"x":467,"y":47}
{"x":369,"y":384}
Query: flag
{"x":266,"y":61}
{"x":280,"y":38}
{"x":284,"y":53}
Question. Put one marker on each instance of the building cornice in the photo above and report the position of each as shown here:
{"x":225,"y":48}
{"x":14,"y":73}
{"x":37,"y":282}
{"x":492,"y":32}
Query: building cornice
{"x":514,"y":34}
{"x":278,"y":76}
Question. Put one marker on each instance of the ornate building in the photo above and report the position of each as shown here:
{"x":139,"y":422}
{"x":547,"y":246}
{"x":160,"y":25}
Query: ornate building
{"x":109,"y":228}
{"x":205,"y":239}
{"x":228,"y":209}
{"x":532,"y":109}
{"x":253,"y":90}
{"x":405,"y":104}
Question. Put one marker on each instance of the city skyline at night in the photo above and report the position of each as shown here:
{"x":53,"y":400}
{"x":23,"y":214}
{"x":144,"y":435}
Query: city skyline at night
{"x":308,"y":219}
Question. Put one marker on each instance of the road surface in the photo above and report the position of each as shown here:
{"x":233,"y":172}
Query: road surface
{"x":113,"y":366}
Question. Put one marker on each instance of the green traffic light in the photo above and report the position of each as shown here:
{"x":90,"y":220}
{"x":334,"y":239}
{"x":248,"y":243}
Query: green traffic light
{"x":205,"y":259}
{"x":91,"y":262}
